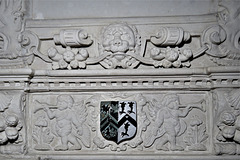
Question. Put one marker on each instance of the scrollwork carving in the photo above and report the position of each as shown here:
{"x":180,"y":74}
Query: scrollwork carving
{"x":72,"y":38}
{"x":11,"y":24}
{"x":223,"y":39}
{"x":170,"y":36}
{"x":15,"y":48}
{"x":71,"y":58}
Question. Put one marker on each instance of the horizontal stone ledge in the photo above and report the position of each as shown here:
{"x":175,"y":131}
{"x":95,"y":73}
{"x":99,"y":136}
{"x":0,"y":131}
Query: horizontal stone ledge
{"x":153,"y":156}
{"x":50,"y":23}
{"x":138,"y":72}
{"x":16,"y":72}
{"x":120,"y":72}
{"x":154,"y":20}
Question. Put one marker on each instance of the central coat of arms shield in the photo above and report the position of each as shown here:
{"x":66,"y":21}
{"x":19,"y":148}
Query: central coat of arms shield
{"x":118,"y":120}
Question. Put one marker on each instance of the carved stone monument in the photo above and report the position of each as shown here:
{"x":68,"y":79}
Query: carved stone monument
{"x":119,"y":79}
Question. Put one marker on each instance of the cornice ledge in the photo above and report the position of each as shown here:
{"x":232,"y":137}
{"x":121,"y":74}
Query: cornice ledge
{"x":139,"y":72}
{"x":74,"y":22}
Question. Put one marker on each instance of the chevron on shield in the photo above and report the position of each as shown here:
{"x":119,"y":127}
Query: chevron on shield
{"x":118,"y":120}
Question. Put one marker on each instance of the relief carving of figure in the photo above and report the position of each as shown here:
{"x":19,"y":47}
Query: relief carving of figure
{"x":117,"y":41}
{"x":10,"y":124}
{"x":229,"y":122}
{"x":69,"y":126}
{"x":168,"y":124}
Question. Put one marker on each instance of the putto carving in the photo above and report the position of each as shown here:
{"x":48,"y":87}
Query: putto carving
{"x":167,"y":123}
{"x":69,"y":124}
{"x":9,"y":129}
{"x":118,"y":40}
{"x":11,"y":126}
{"x":229,"y":125}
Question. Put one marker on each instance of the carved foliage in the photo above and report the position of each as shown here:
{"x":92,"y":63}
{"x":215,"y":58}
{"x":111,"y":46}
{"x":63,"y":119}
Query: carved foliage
{"x":121,"y":46}
{"x":196,"y":135}
{"x":71,"y":58}
{"x":170,"y":57}
{"x":61,"y":124}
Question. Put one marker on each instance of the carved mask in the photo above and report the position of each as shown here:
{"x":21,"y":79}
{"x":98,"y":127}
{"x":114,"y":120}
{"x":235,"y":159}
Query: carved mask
{"x":118,"y":38}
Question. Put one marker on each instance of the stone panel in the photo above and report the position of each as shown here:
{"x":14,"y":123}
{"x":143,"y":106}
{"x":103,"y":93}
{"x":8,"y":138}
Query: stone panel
{"x":119,"y":79}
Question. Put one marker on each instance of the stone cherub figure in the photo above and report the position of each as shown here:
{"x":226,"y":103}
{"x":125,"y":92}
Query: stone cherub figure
{"x":69,"y":125}
{"x":168,"y":124}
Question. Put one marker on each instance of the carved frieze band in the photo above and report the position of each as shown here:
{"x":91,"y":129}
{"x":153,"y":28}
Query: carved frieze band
{"x":120,"y":45}
{"x":71,"y":122}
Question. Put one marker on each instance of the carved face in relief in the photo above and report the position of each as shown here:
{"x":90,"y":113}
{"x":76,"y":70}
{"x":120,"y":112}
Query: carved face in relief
{"x":171,"y":101}
{"x":64,"y":102}
{"x":118,"y":38}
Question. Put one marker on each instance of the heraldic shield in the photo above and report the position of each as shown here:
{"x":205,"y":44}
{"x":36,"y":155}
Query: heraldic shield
{"x":118,"y":120}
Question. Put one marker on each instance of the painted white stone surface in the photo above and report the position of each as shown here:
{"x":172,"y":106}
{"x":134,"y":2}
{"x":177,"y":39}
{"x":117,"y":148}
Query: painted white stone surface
{"x":61,"y":61}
